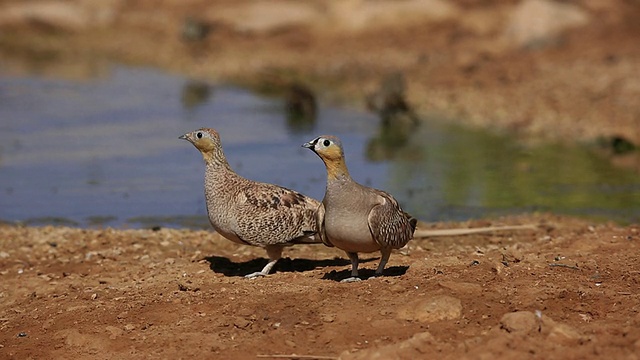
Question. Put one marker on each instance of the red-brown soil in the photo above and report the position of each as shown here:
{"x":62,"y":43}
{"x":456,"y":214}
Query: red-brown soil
{"x":111,"y":294}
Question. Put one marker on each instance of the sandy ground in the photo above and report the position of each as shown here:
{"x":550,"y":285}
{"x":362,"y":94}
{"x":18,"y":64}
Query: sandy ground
{"x":568,"y":289}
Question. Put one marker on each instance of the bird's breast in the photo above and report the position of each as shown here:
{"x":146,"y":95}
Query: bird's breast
{"x":348,"y":232}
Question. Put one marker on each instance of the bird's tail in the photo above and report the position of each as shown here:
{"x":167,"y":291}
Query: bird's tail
{"x":412,"y":221}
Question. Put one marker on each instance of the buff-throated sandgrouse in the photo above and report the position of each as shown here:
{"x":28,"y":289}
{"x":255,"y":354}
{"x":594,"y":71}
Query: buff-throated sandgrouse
{"x":358,"y":218}
{"x":250,"y":212}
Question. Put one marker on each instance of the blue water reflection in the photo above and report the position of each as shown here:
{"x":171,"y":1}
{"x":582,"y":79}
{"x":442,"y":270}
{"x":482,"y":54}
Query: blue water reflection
{"x":105,"y":151}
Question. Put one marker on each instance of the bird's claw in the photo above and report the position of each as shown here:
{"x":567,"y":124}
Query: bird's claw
{"x":255,"y":275}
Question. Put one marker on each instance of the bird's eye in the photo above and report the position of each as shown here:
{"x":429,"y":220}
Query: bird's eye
{"x":326,"y":143}
{"x":199,"y":135}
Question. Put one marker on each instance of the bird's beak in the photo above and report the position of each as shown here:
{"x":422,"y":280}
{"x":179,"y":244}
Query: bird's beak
{"x":308,"y":145}
{"x":183,"y":137}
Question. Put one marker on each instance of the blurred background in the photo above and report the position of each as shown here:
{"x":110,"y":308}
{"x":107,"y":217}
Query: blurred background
{"x":462,"y":109}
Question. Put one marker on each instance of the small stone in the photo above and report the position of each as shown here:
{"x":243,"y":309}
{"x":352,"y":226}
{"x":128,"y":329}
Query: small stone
{"x":241,"y":322}
{"x":564,"y":334}
{"x":519,"y":322}
{"x":290,"y":343}
{"x":328,"y":318}
{"x":114,"y":332}
{"x":129,"y":327}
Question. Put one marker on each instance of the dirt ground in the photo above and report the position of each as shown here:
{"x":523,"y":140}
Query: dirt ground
{"x":568,"y":289}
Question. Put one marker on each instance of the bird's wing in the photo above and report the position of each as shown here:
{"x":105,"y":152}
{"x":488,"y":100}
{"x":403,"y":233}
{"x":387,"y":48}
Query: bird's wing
{"x":270,"y":214}
{"x":388,"y":224}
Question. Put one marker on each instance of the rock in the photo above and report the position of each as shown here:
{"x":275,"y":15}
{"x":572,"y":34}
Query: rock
{"x":241,"y":322}
{"x":264,"y":16}
{"x":290,"y":343}
{"x":526,"y":322}
{"x":328,"y":318}
{"x":358,"y":15}
{"x":114,"y":332}
{"x":564,"y":334}
{"x":59,"y":15}
{"x":520,"y":322}
{"x":536,"y":23}
{"x":419,"y":344}
{"x":433,"y":309}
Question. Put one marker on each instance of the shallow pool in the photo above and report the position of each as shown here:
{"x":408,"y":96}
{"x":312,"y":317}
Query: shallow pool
{"x":105,"y":152}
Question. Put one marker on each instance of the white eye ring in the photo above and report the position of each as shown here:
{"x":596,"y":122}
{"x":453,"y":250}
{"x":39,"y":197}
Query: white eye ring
{"x":326,"y":142}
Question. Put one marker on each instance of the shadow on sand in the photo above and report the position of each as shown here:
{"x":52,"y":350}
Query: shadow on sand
{"x":364,"y":273}
{"x":223,"y":265}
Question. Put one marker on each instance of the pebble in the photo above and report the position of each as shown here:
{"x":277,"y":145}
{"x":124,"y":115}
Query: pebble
{"x":520,"y":322}
{"x":564,"y":334}
{"x":241,"y":322}
{"x":290,"y":343}
{"x":328,"y":318}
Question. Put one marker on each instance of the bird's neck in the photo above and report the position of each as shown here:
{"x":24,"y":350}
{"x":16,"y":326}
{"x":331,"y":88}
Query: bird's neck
{"x":216,"y":161}
{"x":337,"y":170}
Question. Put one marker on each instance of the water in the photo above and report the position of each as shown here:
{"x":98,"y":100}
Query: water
{"x":105,"y":152}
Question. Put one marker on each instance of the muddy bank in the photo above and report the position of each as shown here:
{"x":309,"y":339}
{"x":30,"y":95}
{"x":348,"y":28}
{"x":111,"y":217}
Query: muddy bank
{"x":535,"y":68}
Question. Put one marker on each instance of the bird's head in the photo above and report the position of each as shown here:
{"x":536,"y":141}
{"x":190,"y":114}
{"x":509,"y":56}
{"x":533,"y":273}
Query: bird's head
{"x":329,"y":149}
{"x":207,"y":141}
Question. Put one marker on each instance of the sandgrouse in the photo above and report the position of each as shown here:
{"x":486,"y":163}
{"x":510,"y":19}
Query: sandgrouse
{"x":250,"y":212}
{"x":358,"y":218}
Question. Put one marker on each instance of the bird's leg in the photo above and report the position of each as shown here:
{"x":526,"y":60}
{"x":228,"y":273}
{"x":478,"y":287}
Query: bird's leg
{"x":274,"y":252}
{"x":354,"y":268}
{"x":386,"y":252}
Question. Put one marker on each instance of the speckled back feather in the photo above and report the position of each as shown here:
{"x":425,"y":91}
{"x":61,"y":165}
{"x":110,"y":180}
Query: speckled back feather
{"x":251,"y":212}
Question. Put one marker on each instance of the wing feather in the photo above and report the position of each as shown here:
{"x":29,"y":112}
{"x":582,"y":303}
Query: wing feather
{"x":268,"y":214}
{"x":390,"y":226}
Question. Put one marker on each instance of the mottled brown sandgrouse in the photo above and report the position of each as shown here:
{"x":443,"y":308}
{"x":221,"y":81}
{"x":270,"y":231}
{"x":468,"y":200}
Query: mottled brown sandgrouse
{"x":250,"y":212}
{"x":358,"y":218}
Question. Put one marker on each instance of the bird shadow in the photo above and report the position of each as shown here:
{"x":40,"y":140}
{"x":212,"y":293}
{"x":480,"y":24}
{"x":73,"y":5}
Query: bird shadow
{"x":365,"y":273}
{"x":223,"y":265}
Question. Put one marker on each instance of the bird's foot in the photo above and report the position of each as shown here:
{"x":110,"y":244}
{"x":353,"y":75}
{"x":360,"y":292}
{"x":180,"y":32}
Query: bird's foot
{"x":254,"y":275}
{"x":351,"y":279}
